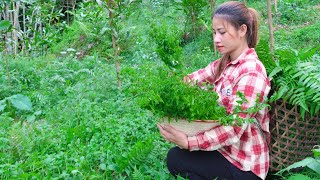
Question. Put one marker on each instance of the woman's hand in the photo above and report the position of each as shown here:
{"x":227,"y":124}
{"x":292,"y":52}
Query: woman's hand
{"x":186,"y":79}
{"x":170,"y":134}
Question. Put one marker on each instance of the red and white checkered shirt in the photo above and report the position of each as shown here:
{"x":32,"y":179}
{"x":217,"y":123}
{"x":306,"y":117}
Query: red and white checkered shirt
{"x":244,"y":146}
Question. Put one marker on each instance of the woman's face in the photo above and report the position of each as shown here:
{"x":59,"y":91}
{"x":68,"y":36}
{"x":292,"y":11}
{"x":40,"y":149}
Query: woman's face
{"x":227,"y":38}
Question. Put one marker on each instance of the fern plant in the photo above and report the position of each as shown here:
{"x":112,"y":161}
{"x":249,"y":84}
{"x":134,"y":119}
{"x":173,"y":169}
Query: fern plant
{"x":296,"y":79}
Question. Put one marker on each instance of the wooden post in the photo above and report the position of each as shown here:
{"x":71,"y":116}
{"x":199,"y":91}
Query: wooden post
{"x":270,"y":26}
{"x":8,"y":35}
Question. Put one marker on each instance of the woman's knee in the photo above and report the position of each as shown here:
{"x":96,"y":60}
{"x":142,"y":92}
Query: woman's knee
{"x":173,"y":159}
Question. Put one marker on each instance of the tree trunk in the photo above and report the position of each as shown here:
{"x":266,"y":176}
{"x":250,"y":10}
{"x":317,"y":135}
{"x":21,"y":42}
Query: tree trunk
{"x":16,"y":26}
{"x":114,"y":43}
{"x":23,"y":45}
{"x":212,"y":6}
{"x":8,"y":35}
{"x":7,"y":65}
{"x":270,"y":26}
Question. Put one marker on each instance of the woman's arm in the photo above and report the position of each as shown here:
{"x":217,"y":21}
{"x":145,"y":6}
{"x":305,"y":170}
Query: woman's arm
{"x":202,"y":75}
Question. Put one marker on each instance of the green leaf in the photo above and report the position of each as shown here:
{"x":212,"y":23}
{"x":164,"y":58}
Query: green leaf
{"x":303,"y":163}
{"x":103,"y":167}
{"x":317,"y":108}
{"x":21,"y":102}
{"x":312,"y":108}
{"x":308,"y":53}
{"x":315,"y":165}
{"x":2,"y":104}
{"x":281,"y":92}
{"x":4,"y":25}
{"x":316,"y":151}
{"x":31,"y":118}
{"x":302,"y":113}
{"x":111,"y":167}
{"x":299,"y":177}
{"x":274,"y":72}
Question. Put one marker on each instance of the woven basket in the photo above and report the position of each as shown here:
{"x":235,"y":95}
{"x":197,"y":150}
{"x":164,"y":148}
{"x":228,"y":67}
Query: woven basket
{"x":190,"y":128}
{"x":292,"y":137}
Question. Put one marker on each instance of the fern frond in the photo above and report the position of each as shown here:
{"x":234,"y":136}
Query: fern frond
{"x":263,"y":51}
{"x":298,"y":83}
{"x":137,"y":174}
{"x":308,"y":53}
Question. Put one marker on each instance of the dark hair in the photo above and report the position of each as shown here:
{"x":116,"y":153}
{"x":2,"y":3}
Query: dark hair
{"x":237,"y":14}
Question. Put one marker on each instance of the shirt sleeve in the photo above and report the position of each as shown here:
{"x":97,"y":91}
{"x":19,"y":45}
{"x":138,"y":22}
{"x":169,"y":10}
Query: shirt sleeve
{"x":250,"y":84}
{"x":203,"y":75}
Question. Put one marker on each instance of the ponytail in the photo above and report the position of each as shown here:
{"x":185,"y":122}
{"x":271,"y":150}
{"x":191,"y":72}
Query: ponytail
{"x":252,"y":36}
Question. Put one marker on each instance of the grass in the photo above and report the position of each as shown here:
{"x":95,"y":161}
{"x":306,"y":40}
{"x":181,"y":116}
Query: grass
{"x":299,"y":37}
{"x":86,"y":128}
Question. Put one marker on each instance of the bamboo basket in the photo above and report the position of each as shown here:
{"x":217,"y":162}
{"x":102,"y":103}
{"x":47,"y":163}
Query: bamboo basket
{"x":189,"y":128}
{"x":292,"y":138}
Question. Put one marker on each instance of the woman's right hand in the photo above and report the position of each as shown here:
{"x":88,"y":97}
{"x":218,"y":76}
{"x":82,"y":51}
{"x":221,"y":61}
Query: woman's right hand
{"x":186,"y":79}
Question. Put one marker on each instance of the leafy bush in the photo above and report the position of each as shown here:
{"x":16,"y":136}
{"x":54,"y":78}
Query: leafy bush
{"x":296,"y":79}
{"x":167,"y":38}
{"x":193,"y":10}
{"x":297,"y":11}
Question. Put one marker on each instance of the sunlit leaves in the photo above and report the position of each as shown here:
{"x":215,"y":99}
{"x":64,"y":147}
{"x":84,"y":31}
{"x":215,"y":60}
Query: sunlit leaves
{"x":19,"y":101}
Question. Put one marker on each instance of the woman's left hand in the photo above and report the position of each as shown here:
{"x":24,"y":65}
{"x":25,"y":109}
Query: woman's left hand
{"x":175,"y":136}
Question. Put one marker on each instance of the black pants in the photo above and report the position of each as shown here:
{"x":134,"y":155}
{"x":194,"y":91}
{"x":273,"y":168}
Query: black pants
{"x":204,"y":165}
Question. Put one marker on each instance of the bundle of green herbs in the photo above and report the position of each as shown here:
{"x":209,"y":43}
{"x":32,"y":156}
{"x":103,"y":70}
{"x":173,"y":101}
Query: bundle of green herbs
{"x":170,"y":96}
{"x":167,"y":95}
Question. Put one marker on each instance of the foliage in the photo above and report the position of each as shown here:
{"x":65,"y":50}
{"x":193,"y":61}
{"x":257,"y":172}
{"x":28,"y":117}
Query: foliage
{"x":192,"y":10}
{"x":4,"y":25}
{"x":312,"y":163}
{"x":263,"y":52}
{"x":296,"y":79}
{"x":86,"y":128}
{"x":308,"y":35}
{"x":167,"y":39}
{"x":296,"y":11}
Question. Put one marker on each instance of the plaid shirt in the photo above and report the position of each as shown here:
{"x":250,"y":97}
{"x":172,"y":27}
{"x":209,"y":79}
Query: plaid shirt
{"x":244,"y":146}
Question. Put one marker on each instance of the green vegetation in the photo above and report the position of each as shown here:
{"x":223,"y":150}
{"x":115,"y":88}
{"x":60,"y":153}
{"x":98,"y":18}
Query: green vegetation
{"x":62,"y":115}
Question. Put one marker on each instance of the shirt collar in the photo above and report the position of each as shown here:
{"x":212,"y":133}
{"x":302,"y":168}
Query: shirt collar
{"x":243,"y":55}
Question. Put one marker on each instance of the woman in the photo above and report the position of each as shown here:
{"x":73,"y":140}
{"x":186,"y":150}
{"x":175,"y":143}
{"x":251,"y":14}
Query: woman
{"x":228,"y":152}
